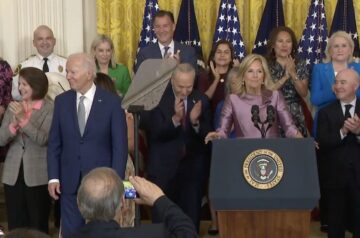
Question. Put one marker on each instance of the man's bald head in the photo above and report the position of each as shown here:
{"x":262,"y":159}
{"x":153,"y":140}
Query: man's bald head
{"x":99,"y":195}
{"x":44,"y":40}
{"x":346,"y":83}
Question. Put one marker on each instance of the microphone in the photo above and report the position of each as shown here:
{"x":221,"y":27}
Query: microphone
{"x":255,"y":115}
{"x":255,"y":118}
{"x":270,"y":117}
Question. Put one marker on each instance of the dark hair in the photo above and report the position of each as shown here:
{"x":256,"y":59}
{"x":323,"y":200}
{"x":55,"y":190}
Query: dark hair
{"x":272,"y":39}
{"x":216,"y":46}
{"x":105,"y":82}
{"x":26,"y":233}
{"x":213,"y":51}
{"x":37,"y":80}
{"x":163,"y":13}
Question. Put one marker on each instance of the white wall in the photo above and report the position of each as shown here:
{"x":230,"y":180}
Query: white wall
{"x":73,"y":23}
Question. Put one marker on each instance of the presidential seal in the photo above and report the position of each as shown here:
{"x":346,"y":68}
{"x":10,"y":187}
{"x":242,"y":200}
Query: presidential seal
{"x":263,"y":169}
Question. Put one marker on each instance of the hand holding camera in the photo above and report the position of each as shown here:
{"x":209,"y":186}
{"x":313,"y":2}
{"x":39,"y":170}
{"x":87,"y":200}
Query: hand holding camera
{"x":148,"y":192}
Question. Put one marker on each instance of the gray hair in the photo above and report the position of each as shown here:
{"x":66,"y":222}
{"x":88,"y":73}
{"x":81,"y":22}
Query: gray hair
{"x":87,"y":61}
{"x":99,"y":195}
{"x":184,"y":68}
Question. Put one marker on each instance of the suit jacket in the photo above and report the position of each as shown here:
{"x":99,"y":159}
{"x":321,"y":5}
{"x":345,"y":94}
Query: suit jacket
{"x":336,"y":154}
{"x":175,"y":224}
{"x":322,"y":79}
{"x":237,"y":111}
{"x":167,"y":142}
{"x":28,"y":146}
{"x":104,"y":142}
{"x":152,"y":51}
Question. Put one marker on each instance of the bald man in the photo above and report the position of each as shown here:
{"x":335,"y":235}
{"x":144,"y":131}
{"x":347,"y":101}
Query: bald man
{"x":45,"y":58}
{"x":338,"y":136}
{"x":101,"y":196}
{"x":88,"y":131}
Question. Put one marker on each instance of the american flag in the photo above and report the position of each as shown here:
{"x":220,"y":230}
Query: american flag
{"x":187,"y":31}
{"x":344,"y":20}
{"x":228,"y":27}
{"x":147,"y":34}
{"x":273,"y":16}
{"x":314,"y":38}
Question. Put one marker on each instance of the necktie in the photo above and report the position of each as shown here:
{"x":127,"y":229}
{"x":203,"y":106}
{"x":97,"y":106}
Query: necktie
{"x":183,"y":120}
{"x":350,"y":136}
{"x":45,"y":66}
{"x":166,"y":49}
{"x":81,"y":115}
{"x":347,"y":111}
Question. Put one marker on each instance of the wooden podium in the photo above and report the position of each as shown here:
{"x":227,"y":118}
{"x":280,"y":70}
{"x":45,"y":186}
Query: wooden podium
{"x":244,"y":210}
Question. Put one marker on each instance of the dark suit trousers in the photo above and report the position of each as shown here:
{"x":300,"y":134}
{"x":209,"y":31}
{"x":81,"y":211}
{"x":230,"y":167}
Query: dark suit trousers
{"x":71,"y":218}
{"x":186,"y":188}
{"x":344,"y":203}
{"x":27,"y":207}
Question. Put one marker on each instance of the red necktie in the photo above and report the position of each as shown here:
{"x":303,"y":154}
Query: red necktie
{"x":183,"y":120}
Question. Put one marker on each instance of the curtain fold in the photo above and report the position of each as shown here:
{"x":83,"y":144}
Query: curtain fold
{"x":122,"y":21}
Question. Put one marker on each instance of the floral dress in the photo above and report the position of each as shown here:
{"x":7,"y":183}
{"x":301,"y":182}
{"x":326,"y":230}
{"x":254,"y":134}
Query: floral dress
{"x":290,"y":94}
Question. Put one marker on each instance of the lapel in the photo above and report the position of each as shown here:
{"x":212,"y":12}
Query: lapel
{"x":36,"y":114}
{"x":95,"y":107}
{"x":329,"y":72}
{"x":73,"y":110}
{"x":338,"y":113}
{"x":157,"y":51}
{"x":357,"y":106}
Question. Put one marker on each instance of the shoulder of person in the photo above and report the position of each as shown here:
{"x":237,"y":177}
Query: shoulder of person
{"x":183,"y":46}
{"x":25,"y":63}
{"x":355,"y":65}
{"x":149,"y":47}
{"x":48,"y":104}
{"x":121,"y":66}
{"x":60,"y":57}
{"x":331,"y":106}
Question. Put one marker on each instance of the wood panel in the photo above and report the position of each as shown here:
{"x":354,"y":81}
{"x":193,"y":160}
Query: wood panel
{"x":261,"y":224}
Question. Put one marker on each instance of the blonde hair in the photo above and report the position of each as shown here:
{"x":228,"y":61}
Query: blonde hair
{"x":343,"y":35}
{"x":100,"y":39}
{"x":232,"y":79}
{"x":239,"y":85}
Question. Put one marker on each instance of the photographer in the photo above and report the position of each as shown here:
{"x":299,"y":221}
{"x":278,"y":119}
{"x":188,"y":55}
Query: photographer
{"x":100,"y":198}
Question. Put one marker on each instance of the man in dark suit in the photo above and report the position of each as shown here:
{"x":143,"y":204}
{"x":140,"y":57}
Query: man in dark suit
{"x":100,"y":198}
{"x":175,"y":130}
{"x":88,"y":131}
{"x":164,"y":28}
{"x":338,"y":136}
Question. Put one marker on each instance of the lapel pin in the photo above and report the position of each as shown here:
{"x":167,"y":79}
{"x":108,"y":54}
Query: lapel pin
{"x":99,"y":100}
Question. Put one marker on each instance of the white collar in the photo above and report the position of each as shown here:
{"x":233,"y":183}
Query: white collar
{"x":171,"y":45}
{"x":89,"y":94}
{"x":353,"y":103}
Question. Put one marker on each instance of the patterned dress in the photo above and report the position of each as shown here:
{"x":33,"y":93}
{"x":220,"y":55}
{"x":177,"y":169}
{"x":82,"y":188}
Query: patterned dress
{"x":290,"y":94}
{"x":5,"y":83}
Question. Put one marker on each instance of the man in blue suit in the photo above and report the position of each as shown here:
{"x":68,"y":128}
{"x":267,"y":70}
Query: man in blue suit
{"x":88,"y":131}
{"x":164,"y":28}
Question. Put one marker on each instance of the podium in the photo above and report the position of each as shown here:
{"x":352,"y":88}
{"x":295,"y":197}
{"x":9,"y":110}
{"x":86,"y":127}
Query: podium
{"x":264,"y":187}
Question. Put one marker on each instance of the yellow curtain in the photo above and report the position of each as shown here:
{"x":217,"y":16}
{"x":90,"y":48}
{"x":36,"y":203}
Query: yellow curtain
{"x":122,"y":20}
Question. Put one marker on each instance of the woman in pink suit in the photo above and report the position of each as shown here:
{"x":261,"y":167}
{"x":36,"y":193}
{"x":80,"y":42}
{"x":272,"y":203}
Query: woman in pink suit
{"x":253,"y":109}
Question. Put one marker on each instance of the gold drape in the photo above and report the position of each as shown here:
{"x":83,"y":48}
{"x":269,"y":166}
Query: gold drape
{"x":122,"y":20}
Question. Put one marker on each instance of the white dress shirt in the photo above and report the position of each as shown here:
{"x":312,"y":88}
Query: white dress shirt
{"x":170,"y":51}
